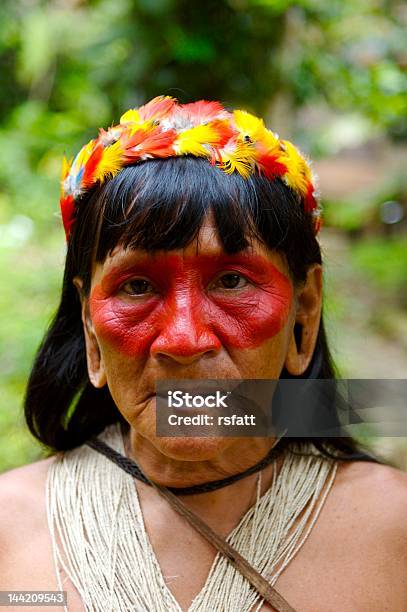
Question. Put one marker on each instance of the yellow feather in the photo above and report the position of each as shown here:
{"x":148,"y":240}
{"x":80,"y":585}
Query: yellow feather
{"x":249,"y":125}
{"x":133,"y":122}
{"x":190,"y":141}
{"x":130,"y":116}
{"x":146,"y":126}
{"x":239,"y":159}
{"x":66,"y":166}
{"x":269,"y":141}
{"x":83,"y":156}
{"x":299,"y":173}
{"x":111,"y":162}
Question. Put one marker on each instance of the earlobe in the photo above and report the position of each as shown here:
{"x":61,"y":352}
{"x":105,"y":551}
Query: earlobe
{"x":96,"y":369}
{"x":306,"y":324}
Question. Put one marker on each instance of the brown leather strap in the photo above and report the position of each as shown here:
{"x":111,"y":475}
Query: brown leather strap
{"x":261,"y":585}
{"x":265,"y":589}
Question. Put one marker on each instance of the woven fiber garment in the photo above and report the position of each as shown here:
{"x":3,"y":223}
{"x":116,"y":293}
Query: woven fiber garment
{"x":99,"y":537}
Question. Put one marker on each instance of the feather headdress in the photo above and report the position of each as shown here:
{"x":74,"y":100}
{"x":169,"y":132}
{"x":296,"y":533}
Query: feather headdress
{"x":233,"y":141}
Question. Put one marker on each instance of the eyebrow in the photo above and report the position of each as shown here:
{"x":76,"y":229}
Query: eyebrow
{"x":132,"y":263}
{"x":136,"y":256}
{"x":129,"y":257}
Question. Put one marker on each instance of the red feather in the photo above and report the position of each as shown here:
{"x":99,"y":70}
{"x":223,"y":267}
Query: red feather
{"x":157,"y":108}
{"x":91,"y":165}
{"x":270,"y":166}
{"x":215,"y":156}
{"x":310,"y":202}
{"x":202,"y":111}
{"x":155,"y":143}
{"x":67,"y":211}
{"x":224,"y":130}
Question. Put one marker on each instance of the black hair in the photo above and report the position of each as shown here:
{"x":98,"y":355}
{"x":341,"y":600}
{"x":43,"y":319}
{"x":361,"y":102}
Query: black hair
{"x":161,"y":204}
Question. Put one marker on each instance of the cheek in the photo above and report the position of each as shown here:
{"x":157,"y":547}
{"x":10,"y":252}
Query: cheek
{"x":265,"y":360}
{"x":257,"y":316}
{"x":126,"y":328}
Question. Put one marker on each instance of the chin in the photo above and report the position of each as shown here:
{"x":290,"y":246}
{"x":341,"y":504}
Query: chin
{"x":181,"y":448}
{"x":191,"y":448}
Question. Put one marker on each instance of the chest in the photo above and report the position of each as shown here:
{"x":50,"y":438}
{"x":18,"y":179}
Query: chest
{"x":310,"y":584}
{"x":339,"y":567}
{"x":326,"y":575}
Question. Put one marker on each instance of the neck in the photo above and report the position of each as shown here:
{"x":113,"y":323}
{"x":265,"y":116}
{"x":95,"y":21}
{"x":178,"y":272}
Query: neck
{"x":239,"y":456}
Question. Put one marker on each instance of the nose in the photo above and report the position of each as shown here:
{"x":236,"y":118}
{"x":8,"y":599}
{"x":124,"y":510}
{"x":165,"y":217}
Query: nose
{"x":185,"y":337}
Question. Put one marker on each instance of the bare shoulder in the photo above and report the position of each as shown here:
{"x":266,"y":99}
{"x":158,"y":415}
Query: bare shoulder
{"x":356,"y":555}
{"x":373,"y":497}
{"x":25,"y":479}
{"x":380,"y":488}
{"x":22,"y":501}
{"x":25,"y":559}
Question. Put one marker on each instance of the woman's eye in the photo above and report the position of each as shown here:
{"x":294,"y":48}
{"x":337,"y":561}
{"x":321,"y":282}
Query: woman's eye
{"x":231,"y":281}
{"x":137,"y":286}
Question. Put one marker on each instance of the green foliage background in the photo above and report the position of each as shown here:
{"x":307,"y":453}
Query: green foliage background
{"x":68,"y":67}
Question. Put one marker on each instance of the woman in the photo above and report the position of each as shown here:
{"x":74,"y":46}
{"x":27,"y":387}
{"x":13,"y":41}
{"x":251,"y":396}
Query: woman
{"x":192,"y":254}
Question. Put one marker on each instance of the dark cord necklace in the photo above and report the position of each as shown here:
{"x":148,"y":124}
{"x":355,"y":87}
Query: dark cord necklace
{"x":131,"y":467}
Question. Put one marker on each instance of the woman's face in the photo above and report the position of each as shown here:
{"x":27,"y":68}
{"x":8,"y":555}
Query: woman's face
{"x":194,"y":313}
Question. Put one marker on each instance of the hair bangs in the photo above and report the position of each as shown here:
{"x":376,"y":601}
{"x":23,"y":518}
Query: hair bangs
{"x":161,"y":204}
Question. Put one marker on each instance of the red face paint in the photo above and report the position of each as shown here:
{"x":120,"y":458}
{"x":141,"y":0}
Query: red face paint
{"x":186,"y":314}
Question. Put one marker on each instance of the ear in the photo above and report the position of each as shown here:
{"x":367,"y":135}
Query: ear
{"x":94,"y":358}
{"x":307,"y":318}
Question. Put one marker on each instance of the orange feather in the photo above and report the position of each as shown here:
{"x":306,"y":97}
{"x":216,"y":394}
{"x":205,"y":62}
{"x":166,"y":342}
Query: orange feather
{"x":157,"y":108}
{"x":91,"y":165}
{"x":154,"y":143}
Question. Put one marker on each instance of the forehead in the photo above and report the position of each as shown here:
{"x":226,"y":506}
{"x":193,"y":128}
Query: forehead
{"x":207,"y":243}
